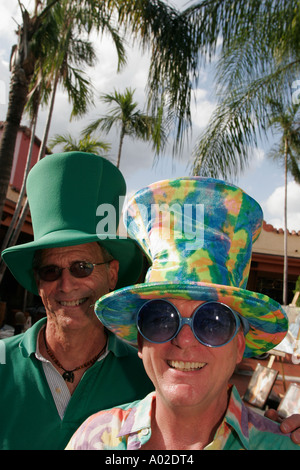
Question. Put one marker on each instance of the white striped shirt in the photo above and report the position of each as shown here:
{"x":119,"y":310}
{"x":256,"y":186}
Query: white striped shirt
{"x":58,"y":387}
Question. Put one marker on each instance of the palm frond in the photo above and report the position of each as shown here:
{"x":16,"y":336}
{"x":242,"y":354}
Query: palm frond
{"x":252,"y":72}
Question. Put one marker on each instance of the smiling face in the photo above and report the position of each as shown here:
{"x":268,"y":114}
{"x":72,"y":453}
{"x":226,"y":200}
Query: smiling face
{"x":69,"y":301}
{"x":186,"y":373}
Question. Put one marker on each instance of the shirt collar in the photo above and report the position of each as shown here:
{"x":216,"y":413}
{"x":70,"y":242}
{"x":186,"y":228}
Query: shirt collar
{"x":236,"y":418}
{"x":118,"y":347}
{"x":139,"y":416}
{"x":28,"y":342}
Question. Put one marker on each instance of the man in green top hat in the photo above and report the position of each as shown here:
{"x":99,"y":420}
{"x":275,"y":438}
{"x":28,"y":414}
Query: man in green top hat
{"x":67,"y":365}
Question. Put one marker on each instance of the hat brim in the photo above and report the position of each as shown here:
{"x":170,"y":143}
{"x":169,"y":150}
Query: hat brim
{"x":268,"y":321}
{"x":19,"y":258}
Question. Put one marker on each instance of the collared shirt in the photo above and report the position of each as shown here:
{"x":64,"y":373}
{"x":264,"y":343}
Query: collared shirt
{"x":28,"y":413}
{"x":128,"y":427}
{"x":59,"y":389}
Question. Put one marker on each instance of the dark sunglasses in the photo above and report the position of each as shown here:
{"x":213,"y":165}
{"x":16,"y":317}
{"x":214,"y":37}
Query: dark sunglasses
{"x":213,"y":324}
{"x":78,"y":269}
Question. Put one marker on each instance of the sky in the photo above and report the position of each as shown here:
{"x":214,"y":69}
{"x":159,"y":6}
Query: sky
{"x":263,"y":179}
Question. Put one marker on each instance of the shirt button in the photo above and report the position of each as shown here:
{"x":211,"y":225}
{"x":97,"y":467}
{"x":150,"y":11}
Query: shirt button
{"x":145,"y":431}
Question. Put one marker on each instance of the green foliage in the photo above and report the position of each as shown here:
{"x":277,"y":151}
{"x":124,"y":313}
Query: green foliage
{"x":297,"y":289}
{"x":86,"y":144}
{"x":131,"y":121}
{"x":259,"y":59}
{"x":286,"y":121}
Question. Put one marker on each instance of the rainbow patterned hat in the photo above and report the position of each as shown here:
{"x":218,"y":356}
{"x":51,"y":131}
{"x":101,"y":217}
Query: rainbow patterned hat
{"x":197,"y":234}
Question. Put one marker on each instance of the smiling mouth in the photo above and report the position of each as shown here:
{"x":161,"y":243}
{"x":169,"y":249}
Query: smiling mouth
{"x":186,"y":366}
{"x":72,"y":303}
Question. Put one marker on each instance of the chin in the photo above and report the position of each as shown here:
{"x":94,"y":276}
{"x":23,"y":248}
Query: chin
{"x":74,"y":319}
{"x":181,"y":395}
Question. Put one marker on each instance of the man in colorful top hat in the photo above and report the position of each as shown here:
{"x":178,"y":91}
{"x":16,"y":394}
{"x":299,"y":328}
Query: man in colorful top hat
{"x":67,"y":366}
{"x":193,"y":321}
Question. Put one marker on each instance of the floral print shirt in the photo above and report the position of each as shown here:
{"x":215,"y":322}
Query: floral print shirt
{"x":128,"y":427}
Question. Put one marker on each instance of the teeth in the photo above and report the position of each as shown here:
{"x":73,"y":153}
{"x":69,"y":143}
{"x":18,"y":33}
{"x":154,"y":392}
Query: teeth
{"x":186,"y":366}
{"x":72,"y":303}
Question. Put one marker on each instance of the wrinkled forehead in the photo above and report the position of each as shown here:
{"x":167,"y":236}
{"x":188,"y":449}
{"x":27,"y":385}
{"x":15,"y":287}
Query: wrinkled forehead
{"x":85,"y":252}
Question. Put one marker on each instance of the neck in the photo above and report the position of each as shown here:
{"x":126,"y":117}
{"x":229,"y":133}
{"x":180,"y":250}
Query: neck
{"x":197,"y":426}
{"x":74,"y":347}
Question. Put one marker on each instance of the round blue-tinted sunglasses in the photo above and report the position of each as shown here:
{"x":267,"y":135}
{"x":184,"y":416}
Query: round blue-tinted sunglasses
{"x":213,"y":324}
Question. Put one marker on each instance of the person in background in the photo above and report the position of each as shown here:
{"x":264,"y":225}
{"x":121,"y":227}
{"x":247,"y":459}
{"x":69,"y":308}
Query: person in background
{"x":19,"y":321}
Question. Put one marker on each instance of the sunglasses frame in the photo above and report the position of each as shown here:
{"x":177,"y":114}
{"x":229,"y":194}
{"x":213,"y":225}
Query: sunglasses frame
{"x":239,"y":320}
{"x":60,"y":270}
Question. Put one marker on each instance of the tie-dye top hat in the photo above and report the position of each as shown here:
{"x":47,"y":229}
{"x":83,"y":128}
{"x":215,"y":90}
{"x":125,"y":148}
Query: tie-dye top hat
{"x":197,"y":234}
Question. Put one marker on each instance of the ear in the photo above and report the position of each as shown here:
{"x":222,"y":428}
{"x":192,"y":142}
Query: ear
{"x":241,"y":342}
{"x":113,"y":274}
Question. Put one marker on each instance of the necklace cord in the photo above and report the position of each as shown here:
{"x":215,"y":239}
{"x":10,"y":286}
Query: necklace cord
{"x":68,"y":375}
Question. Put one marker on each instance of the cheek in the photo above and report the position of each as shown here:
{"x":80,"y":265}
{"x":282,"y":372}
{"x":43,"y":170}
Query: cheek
{"x":153,"y":361}
{"x":47,"y":298}
{"x":144,"y":354}
{"x":107,"y":278}
{"x":140,"y":345}
{"x":112,"y":274}
{"x":44,"y":291}
{"x":98,"y":284}
{"x":230,"y":355}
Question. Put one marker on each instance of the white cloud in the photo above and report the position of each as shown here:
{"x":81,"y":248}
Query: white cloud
{"x":201,"y":108}
{"x":274,"y":206}
{"x":257,"y":157}
{"x":10,"y":17}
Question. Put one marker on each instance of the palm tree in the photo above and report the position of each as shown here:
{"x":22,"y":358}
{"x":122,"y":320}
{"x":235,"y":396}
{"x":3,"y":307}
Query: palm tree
{"x":22,"y":64}
{"x":61,"y":65}
{"x":131,"y":121}
{"x":287,"y":122}
{"x":35,"y":102}
{"x":86,"y":144}
{"x":156,"y":26}
{"x":168,"y":35}
{"x":39,"y":36}
{"x":258,"y":58}
{"x":58,"y":66}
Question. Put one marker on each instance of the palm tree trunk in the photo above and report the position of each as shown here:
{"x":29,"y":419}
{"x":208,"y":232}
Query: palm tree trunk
{"x":23,"y":188}
{"x":49,"y":119}
{"x":11,"y":234}
{"x":120,"y":147}
{"x":25,"y":210}
{"x":17,"y":99}
{"x":22,"y":68}
{"x":285,"y":259}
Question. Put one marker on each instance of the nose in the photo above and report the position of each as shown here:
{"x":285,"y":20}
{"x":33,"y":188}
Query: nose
{"x":185,"y":338}
{"x":66,"y":282}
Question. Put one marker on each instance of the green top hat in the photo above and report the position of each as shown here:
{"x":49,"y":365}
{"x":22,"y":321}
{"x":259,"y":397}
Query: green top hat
{"x":64,"y":192}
